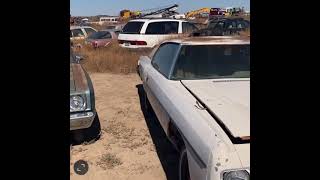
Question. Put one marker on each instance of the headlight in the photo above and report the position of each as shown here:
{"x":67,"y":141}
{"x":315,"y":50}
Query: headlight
{"x":77,"y":103}
{"x":236,"y":175}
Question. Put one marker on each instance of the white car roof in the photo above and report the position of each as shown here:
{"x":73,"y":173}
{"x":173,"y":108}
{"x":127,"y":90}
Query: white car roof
{"x":211,"y":40}
{"x":156,"y":20}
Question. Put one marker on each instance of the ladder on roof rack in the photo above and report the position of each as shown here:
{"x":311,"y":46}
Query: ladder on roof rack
{"x":166,"y":11}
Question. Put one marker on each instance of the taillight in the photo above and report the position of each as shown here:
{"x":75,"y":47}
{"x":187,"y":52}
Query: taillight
{"x":95,"y":44}
{"x":140,"y":43}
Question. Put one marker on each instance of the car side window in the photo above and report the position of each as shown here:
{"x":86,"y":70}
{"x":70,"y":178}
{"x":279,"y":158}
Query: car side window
{"x":188,"y":27}
{"x":164,"y":57}
{"x":89,"y":31}
{"x":106,"y":35}
{"x":77,"y":33}
{"x":168,"y":27}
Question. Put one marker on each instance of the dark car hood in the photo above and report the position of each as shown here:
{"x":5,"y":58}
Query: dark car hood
{"x":78,"y":79}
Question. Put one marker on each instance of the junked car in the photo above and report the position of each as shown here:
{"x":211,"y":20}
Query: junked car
{"x":199,"y":90}
{"x":84,"y":120}
{"x":80,"y":32}
{"x":147,"y":33}
{"x":102,"y":38}
{"x":224,"y":27}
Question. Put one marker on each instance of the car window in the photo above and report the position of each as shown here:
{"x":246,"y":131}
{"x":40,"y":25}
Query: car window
{"x":168,"y":27}
{"x":212,"y":24}
{"x":188,"y":27}
{"x":117,"y":32}
{"x":163,"y":58}
{"x":77,"y":33}
{"x":212,"y":62}
{"x":106,"y":35}
{"x":133,"y":27}
{"x":100,"y":35}
{"x":89,"y":31}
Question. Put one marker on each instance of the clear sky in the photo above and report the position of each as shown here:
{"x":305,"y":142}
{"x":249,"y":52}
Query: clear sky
{"x":113,"y":7}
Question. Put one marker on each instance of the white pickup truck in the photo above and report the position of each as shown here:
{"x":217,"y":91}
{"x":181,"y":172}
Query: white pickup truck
{"x":199,"y":89}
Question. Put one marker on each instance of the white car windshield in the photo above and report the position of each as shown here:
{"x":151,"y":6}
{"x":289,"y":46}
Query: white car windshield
{"x":212,"y":62}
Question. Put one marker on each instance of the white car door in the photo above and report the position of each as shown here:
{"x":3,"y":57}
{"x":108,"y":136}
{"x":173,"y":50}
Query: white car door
{"x":157,"y":32}
{"x":157,"y":83}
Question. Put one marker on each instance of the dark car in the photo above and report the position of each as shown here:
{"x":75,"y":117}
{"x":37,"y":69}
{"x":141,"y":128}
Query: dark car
{"x":84,"y":120}
{"x":224,"y":26}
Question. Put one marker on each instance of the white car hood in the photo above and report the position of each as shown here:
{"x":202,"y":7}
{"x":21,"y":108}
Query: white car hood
{"x":228,"y":99}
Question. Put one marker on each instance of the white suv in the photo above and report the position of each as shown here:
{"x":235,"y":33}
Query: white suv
{"x":147,"y":33}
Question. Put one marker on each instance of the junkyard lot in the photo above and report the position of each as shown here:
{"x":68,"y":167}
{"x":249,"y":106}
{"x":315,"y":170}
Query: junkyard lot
{"x":132,"y":145}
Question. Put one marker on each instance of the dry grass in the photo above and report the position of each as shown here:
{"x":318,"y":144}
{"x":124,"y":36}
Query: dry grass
{"x":109,"y":161}
{"x":112,"y":59}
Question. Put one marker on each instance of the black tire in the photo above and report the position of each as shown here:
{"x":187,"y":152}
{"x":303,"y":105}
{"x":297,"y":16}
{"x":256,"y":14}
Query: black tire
{"x":183,"y":165}
{"x":89,"y":134}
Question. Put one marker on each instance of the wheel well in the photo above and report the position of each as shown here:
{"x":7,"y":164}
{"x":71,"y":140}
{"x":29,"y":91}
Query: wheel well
{"x":175,"y":136}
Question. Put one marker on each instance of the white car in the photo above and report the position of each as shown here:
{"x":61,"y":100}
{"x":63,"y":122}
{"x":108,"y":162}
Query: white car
{"x":80,"y":32}
{"x":147,"y":33}
{"x":199,"y":89}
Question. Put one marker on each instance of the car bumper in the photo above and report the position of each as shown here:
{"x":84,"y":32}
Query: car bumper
{"x":81,"y":120}
{"x":134,"y":46}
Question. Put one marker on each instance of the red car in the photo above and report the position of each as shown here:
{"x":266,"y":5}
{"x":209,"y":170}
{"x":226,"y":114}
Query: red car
{"x":102,"y":38}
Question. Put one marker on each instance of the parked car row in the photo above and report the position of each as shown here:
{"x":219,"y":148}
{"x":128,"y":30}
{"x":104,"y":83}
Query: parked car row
{"x":147,"y":33}
{"x":92,"y":36}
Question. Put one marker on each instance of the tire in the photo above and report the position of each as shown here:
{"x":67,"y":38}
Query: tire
{"x":90,"y":134}
{"x":183,"y":165}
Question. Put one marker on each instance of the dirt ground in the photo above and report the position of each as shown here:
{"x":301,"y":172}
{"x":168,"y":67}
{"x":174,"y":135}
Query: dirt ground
{"x":132,"y":144}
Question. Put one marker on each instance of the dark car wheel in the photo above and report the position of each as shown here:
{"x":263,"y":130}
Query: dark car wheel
{"x":183,"y":165}
{"x":89,"y":134}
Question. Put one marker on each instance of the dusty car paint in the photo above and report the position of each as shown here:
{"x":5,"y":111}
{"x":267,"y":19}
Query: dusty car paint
{"x":80,"y":84}
{"x":210,"y":150}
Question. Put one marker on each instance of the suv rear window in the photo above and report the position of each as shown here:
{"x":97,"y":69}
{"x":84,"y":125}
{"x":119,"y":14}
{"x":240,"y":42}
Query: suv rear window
{"x":168,"y":27}
{"x":132,"y":27}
